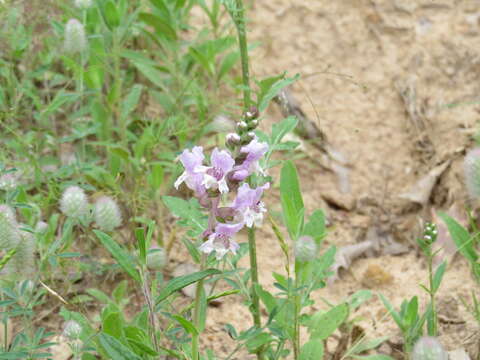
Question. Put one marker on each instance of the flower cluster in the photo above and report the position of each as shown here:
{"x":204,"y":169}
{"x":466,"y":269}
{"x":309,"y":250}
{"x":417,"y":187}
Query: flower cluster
{"x":224,"y":178}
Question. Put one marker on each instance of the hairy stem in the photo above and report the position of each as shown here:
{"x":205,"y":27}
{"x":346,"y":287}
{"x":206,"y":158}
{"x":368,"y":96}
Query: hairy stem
{"x":239,"y":19}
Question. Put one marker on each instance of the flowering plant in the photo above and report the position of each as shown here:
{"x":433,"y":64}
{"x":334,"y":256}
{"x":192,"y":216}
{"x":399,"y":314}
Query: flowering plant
{"x":226,"y":178}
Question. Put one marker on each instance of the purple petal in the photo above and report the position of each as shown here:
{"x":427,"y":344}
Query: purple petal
{"x":227,"y":229}
{"x":192,"y":158}
{"x":222,"y":160}
{"x":254,"y":150}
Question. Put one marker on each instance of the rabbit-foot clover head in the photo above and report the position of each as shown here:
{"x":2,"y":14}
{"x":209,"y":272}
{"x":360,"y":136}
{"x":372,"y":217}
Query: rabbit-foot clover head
{"x":74,"y":202}
{"x":107,"y":214}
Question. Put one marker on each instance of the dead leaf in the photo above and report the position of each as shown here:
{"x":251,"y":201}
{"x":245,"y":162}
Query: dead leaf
{"x":420,"y":192}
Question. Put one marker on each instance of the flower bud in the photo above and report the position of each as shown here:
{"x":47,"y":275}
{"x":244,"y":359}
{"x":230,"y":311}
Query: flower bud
{"x":429,"y":348}
{"x":305,"y":249}
{"x":72,"y":330}
{"x":252,"y":113}
{"x":232,"y":139}
{"x":75,"y":37}
{"x":107,"y":214}
{"x":83,"y":4}
{"x":156,"y":258}
{"x":41,"y":227}
{"x":239,"y":175}
{"x":471,"y":166}
{"x":74,"y":202}
{"x":242,"y":125}
{"x":252,"y":124}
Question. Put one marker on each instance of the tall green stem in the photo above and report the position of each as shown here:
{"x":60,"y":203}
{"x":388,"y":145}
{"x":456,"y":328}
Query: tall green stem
{"x":196,"y":313}
{"x":432,"y":293}
{"x":296,"y":309}
{"x":238,"y":15}
{"x":239,"y":18}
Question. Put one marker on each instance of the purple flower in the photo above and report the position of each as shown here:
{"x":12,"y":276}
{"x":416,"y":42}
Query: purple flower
{"x":254,"y":152}
{"x":247,"y":204}
{"x":221,"y":240}
{"x":191,"y":160}
{"x":215,"y":176}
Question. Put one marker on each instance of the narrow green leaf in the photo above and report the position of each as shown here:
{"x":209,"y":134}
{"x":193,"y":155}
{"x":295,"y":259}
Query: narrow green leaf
{"x":131,"y":101}
{"x":461,"y":237}
{"x":180,"y":282}
{"x":438,"y":276}
{"x":395,"y":315}
{"x":273,"y":91}
{"x":122,"y":257}
{"x":186,"y":324}
{"x":315,"y":227}
{"x":291,"y":197}
{"x":115,"y":349}
{"x":140,"y":236}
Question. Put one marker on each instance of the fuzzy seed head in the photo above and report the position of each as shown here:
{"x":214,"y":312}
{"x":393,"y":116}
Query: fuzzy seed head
{"x":75,"y":37}
{"x":156,"y":258}
{"x":429,"y":348}
{"x":22,"y":263}
{"x":9,"y":236}
{"x":107,"y":214}
{"x":72,"y":330}
{"x":83,"y":4}
{"x":74,"y":202}
{"x":305,"y":249}
{"x":9,"y":181}
{"x":471,"y":166}
{"x":9,"y":213}
{"x":41,"y":227}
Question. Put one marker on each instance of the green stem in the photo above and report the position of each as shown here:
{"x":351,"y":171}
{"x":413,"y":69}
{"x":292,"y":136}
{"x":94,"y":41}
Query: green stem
{"x":432,"y":294}
{"x":296,"y":325}
{"x":239,"y":18}
{"x":254,"y":275}
{"x":196,"y":313}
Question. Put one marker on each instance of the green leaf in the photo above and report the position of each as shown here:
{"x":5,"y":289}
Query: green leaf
{"x":122,"y":257}
{"x":411,"y":315}
{"x":315,"y":227}
{"x":180,"y":282}
{"x":188,"y":211}
{"x":271,"y":89}
{"x":373,"y":357}
{"x":461,"y":237}
{"x":156,"y":175}
{"x":437,"y":278}
{"x":115,"y":349}
{"x":292,"y":202}
{"x":186,"y":324}
{"x":140,"y":236}
{"x":322,"y":325}
{"x":161,"y":26}
{"x":258,"y":341}
{"x":312,"y":350}
{"x":131,"y":101}
{"x":151,"y":73}
{"x":358,"y":298}
{"x":113,"y":325}
{"x":279,"y":130}
{"x":364,"y":345}
{"x":111,"y":15}
{"x":395,"y":315}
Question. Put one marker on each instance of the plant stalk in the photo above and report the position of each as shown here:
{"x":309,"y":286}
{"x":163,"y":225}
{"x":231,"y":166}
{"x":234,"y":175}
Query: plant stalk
{"x":196,"y":313}
{"x":432,"y":294}
{"x":239,"y":19}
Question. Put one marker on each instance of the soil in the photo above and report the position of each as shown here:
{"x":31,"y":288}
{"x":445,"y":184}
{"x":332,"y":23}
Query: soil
{"x":394,"y":87}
